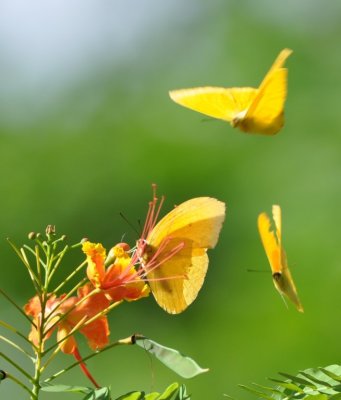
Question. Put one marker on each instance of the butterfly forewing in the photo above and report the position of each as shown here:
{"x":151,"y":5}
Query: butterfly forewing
{"x":216,"y":102}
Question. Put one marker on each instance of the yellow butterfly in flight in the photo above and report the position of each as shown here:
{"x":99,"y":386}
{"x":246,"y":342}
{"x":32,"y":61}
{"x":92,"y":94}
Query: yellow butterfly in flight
{"x":174,"y":251}
{"x":251,"y":110}
{"x":272,"y":242}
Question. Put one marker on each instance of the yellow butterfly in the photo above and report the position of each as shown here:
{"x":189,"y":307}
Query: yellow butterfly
{"x":272,"y":242}
{"x":251,"y":110}
{"x":173,"y":252}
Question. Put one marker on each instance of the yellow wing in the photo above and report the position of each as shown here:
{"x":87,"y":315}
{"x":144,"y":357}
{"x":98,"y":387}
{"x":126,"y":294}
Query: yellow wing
{"x":270,"y":243}
{"x":196,"y":224}
{"x":266,"y":113}
{"x":216,"y":102}
{"x":276,"y":255}
{"x":277,"y":217}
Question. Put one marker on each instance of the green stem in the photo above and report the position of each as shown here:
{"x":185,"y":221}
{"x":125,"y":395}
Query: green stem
{"x":126,"y":341}
{"x":16,"y":347}
{"x":14,"y":330}
{"x":37,"y":373}
{"x":24,"y":260}
{"x":74,"y":289}
{"x":79,"y":302}
{"x":14,"y":379}
{"x":66,"y":280}
{"x":56,"y":264}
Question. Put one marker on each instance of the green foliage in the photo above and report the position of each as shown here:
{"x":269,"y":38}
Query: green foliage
{"x":173,"y":392}
{"x":171,"y":358}
{"x":312,"y":383}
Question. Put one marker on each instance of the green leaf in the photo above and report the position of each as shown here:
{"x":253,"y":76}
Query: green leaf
{"x":287,"y":385}
{"x":91,"y":394}
{"x":132,"y":396}
{"x":169,"y":392}
{"x":173,"y":359}
{"x":310,"y":384}
{"x":317,"y":397}
{"x":299,"y":380}
{"x":332,"y":372}
{"x":315,"y":379}
{"x":270,"y":389}
{"x":99,"y":394}
{"x":173,"y":392}
{"x":47,"y":387}
{"x":152,"y":396}
{"x":258,"y":393}
{"x":335,"y":397}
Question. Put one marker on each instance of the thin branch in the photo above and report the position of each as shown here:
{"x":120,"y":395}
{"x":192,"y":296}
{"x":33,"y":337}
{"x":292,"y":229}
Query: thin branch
{"x":34,"y":253}
{"x":63,"y":316}
{"x":16,"y":347}
{"x":26,"y":263}
{"x":81,"y":324}
{"x":57,"y":263}
{"x":14,"y":330}
{"x":79,"y":284}
{"x":72,"y":331}
{"x":126,"y":341}
{"x":73,"y":273}
{"x":75,"y":329}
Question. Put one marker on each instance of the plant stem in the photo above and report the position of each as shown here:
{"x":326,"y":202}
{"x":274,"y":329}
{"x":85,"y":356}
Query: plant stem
{"x":126,"y":341}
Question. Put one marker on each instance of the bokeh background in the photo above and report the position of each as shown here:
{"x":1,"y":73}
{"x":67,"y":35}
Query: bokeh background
{"x":86,"y":126}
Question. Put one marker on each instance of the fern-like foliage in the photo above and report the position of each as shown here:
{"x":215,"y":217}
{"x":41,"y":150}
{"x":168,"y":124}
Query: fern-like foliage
{"x":310,"y":384}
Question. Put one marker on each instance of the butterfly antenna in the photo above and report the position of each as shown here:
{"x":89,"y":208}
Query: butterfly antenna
{"x":129,"y":223}
{"x":257,"y":270}
{"x":208,"y":120}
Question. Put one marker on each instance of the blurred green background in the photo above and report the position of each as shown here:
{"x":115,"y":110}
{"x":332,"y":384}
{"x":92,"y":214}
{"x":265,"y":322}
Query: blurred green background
{"x":86,"y":126}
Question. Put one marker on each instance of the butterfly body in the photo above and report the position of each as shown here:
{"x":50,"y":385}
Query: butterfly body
{"x":249,"y":109}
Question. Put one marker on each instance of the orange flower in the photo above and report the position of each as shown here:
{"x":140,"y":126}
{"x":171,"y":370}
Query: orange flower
{"x":120,"y":280}
{"x":64,"y":315}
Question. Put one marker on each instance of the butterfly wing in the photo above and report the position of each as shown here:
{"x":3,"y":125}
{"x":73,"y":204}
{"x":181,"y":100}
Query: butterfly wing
{"x":270,"y":243}
{"x":196,"y":225}
{"x":276,"y":255}
{"x":285,"y":284}
{"x":216,"y":102}
{"x":265,"y":114}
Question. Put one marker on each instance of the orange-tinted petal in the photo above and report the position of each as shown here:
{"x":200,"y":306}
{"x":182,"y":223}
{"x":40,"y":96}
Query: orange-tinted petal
{"x":129,"y":292}
{"x":97,"y":333}
{"x":69,"y":345}
{"x":96,"y":257}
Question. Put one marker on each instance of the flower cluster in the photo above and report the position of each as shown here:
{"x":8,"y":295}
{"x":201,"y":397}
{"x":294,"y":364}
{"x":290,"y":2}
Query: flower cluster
{"x":111,"y":279}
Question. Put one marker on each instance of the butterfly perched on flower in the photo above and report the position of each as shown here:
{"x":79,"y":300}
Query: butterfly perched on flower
{"x":174,"y":250}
